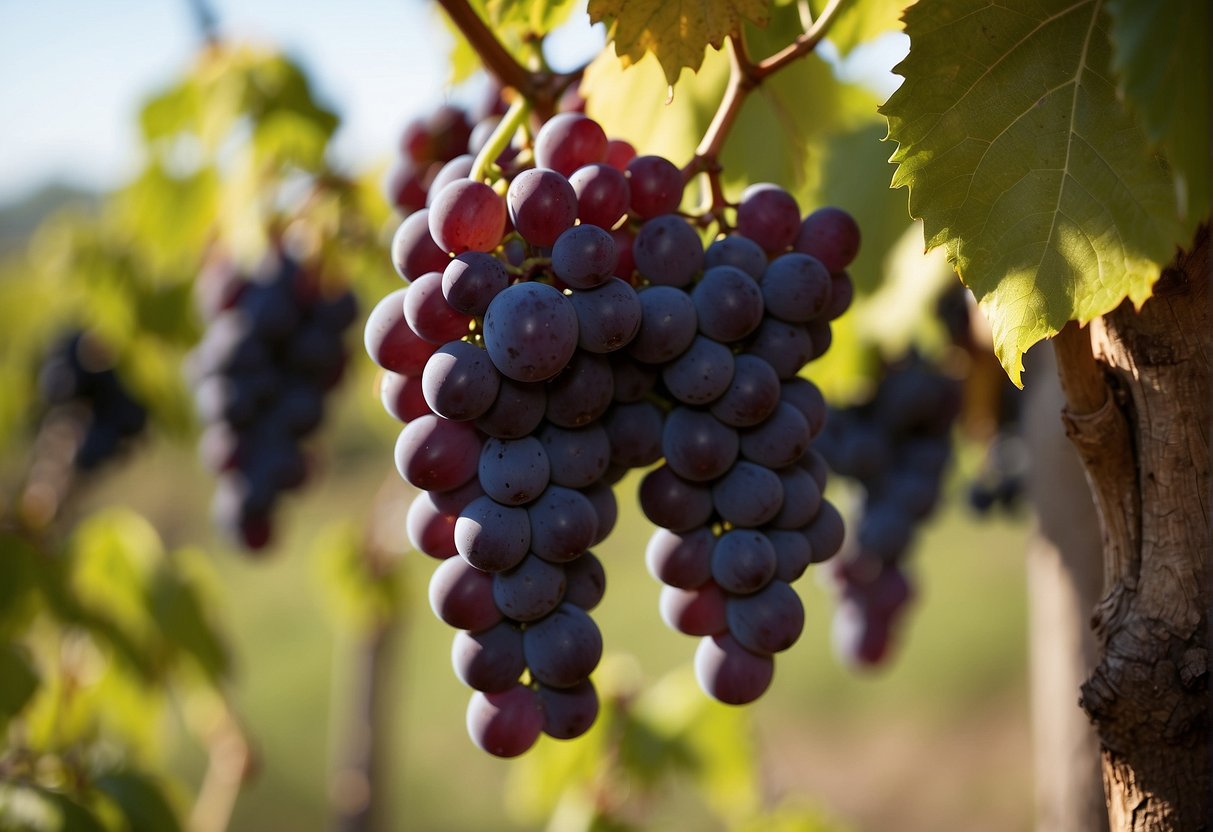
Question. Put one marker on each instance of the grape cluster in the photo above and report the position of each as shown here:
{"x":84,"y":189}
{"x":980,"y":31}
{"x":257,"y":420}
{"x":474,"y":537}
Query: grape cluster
{"x":897,"y":445}
{"x":425,"y":146}
{"x":273,"y":349}
{"x":550,"y":340}
{"x":76,"y":378}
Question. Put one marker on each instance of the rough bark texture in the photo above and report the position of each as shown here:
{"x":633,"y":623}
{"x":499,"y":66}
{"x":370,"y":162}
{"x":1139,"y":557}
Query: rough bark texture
{"x":1065,"y":581}
{"x":1146,"y":450}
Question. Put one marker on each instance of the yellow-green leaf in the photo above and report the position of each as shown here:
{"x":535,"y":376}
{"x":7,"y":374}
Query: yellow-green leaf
{"x":1161,"y":51}
{"x":676,"y":31}
{"x":1023,"y":162}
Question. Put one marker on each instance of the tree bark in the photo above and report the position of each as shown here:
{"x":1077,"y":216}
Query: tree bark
{"x":1139,"y":414}
{"x":1065,"y":579}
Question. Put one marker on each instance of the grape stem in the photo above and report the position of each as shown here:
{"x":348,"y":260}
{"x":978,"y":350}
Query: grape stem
{"x":500,"y":139}
{"x":745,"y":76}
{"x":542,"y":88}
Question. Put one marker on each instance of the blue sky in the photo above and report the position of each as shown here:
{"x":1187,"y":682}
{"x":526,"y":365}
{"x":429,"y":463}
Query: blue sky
{"x":73,"y":74}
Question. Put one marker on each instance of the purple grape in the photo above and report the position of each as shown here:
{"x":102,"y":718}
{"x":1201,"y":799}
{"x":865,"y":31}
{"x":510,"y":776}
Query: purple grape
{"x":467,"y":216}
{"x":584,"y":256}
{"x":769,"y":621}
{"x":831,"y":235}
{"x":578,"y":456}
{"x":683,"y":559}
{"x":801,"y":498}
{"x":542,"y":205}
{"x":530,"y":590}
{"x":743,"y":561}
{"x":514,"y":471}
{"x":492,"y":537}
{"x":728,"y":303}
{"x":581,"y":392}
{"x":667,"y":325}
{"x":634,"y":431}
{"x":738,"y":251}
{"x":462,"y":595}
{"x":472,"y":280}
{"x":805,"y":396}
{"x":436,"y":454}
{"x":701,"y":374}
{"x":602,"y":498}
{"x":517,"y":410}
{"x":505,"y":723}
{"x":430,"y":530}
{"x":793,"y":553}
{"x":780,"y":440}
{"x":414,"y":251}
{"x":586,"y":581}
{"x":753,"y":393}
{"x":568,"y":141}
{"x":429,"y":315}
{"x":728,"y":672}
{"x":748,"y":495}
{"x":460,"y":381}
{"x":530,"y":330}
{"x":668,"y":251}
{"x":489,"y":660}
{"x":768,"y":215}
{"x":563,"y":524}
{"x":568,"y":712}
{"x":826,"y":533}
{"x":786,"y":347}
{"x":655,"y":186}
{"x":602,"y":195}
{"x":562,"y":648}
{"x":696,"y":445}
{"x":608,"y":316}
{"x":694,"y":612}
{"x":390,"y":342}
{"x":673,"y":503}
{"x":796,"y":288}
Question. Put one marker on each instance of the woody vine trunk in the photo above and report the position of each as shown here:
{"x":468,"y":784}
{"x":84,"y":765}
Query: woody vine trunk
{"x":1138,"y":391}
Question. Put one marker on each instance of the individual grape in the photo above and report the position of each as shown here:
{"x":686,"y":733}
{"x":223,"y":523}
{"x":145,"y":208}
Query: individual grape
{"x":748,"y":495}
{"x":793,"y":553}
{"x":673,"y":503}
{"x":430,"y":530}
{"x":563,"y":524}
{"x":728,"y":303}
{"x":796,"y":288}
{"x":743,"y":561}
{"x":405,"y":187}
{"x":608,"y":316}
{"x":456,"y":500}
{"x":815,"y":464}
{"x":517,"y":410}
{"x":753,"y":393}
{"x":429,"y":315}
{"x":619,"y":153}
{"x":786,"y":347}
{"x":542,"y":205}
{"x":801,"y":498}
{"x":805,"y":396}
{"x":842,"y":292}
{"x":917,"y":492}
{"x":602,"y":195}
{"x":831,"y":235}
{"x":683,"y":559}
{"x":472,"y":280}
{"x":414,"y":251}
{"x":530,"y":330}
{"x":568,"y":712}
{"x":489,"y":660}
{"x":462,"y":595}
{"x":584,"y":256}
{"x":655,"y":186}
{"x":779,"y":440}
{"x":490,"y":536}
{"x":699,"y":611}
{"x":581,"y":392}
{"x":389,"y":341}
{"x":768,"y":215}
{"x":578,"y":456}
{"x":696,"y":445}
{"x":632,"y":381}
{"x":562,"y":648}
{"x":668,"y":251}
{"x":436,"y":454}
{"x":506,"y":723}
{"x":625,"y":267}
{"x":701,"y":374}
{"x":739,"y":252}
{"x":586,"y":581}
{"x":769,"y":621}
{"x":885,"y":531}
{"x":458,"y":168}
{"x":567,"y":141}
{"x":459,"y":381}
{"x":634,"y":433}
{"x":606,"y":509}
{"x":467,"y":216}
{"x":530,"y":590}
{"x":667,"y":325}
{"x":826,"y":533}
{"x":729,"y":673}
{"x":514,"y":471}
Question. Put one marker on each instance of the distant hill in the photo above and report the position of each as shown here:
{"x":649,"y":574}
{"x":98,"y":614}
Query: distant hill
{"x":19,"y":219}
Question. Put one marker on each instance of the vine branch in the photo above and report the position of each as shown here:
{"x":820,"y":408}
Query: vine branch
{"x":495,"y":56}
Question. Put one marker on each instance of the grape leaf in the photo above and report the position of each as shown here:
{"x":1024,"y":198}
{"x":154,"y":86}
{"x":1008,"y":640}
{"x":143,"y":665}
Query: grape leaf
{"x":1024,"y":164}
{"x":1161,"y":52}
{"x":862,"y":21}
{"x":675,"y":31}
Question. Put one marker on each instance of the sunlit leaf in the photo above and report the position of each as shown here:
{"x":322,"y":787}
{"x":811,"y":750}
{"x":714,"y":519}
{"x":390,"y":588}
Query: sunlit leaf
{"x":1024,"y":164}
{"x":1161,"y":52}
{"x":675,"y":31}
{"x":358,"y":596}
{"x":533,"y":15}
{"x":185,"y":623}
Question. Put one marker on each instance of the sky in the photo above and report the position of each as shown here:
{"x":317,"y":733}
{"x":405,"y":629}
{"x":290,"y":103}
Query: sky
{"x":73,"y":74}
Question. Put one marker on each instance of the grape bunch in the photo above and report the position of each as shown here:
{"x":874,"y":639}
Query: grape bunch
{"x":551,"y":339}
{"x":77,"y":380}
{"x":897,"y":445}
{"x":273,"y":349}
{"x":425,"y":147}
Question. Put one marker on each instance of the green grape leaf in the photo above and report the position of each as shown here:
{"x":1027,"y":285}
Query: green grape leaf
{"x":530,"y":15}
{"x":1024,"y":164}
{"x":677,"y":32}
{"x":142,"y":800}
{"x":1161,"y":52}
{"x":184,"y":622}
{"x":863,"y":20}
{"x":18,"y":681}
